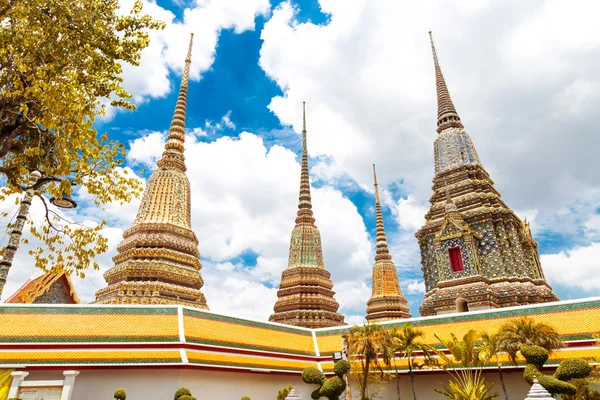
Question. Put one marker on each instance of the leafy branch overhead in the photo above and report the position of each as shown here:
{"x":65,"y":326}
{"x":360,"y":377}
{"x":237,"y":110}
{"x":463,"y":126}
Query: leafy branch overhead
{"x":61,"y":65}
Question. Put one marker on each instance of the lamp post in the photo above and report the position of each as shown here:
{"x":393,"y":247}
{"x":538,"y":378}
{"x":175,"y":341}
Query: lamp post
{"x":35,"y":182}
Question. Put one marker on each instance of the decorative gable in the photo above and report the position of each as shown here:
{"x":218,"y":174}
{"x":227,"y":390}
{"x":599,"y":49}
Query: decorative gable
{"x":50,"y":288}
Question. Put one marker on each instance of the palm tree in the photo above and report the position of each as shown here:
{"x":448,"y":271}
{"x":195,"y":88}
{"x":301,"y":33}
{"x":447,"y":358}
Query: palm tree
{"x":365,"y":343}
{"x":525,"y":331}
{"x":465,"y":366}
{"x":489,"y":349}
{"x":407,"y":341}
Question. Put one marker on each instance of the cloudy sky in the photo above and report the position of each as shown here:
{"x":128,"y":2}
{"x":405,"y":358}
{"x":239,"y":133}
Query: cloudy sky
{"x":524,"y":79}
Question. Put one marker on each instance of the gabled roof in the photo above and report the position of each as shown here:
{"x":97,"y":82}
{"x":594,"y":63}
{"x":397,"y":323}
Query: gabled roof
{"x":34,"y":288}
{"x":100,"y":336}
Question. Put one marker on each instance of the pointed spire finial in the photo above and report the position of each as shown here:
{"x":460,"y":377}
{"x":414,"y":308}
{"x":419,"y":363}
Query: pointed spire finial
{"x":172,"y":157}
{"x":382,"y":252}
{"x":305,"y":214}
{"x":447,"y":115}
{"x":376,"y":187}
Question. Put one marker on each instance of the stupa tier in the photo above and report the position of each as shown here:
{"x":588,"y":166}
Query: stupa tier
{"x":305,"y":295}
{"x":475,"y":252}
{"x":387,"y":301}
{"x":158,"y":261}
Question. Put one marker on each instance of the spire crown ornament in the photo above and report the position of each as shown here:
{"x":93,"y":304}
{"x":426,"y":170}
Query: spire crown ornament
{"x":305,"y":214}
{"x":537,"y":392}
{"x":447,"y":115}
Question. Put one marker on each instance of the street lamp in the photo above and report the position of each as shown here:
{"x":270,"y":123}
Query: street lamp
{"x":35,"y":182}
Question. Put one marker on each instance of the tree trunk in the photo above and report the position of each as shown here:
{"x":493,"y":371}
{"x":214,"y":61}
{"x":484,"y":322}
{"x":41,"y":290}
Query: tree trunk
{"x":15,"y":235}
{"x":363,"y":391}
{"x":412,"y":378}
{"x":502,"y":382}
{"x":398,"y":383}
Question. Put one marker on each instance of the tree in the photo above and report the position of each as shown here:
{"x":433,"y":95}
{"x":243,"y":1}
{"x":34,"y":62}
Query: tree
{"x":407,"y":340}
{"x":490,"y":347}
{"x":364,"y":344}
{"x":465,"y":367}
{"x":282,"y":394}
{"x":525,"y":331}
{"x":60,"y":65}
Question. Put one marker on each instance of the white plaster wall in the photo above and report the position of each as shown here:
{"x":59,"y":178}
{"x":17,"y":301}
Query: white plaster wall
{"x":160,"y":384}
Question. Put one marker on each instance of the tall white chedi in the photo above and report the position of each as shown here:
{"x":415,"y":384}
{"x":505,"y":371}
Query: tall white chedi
{"x":292,"y":395}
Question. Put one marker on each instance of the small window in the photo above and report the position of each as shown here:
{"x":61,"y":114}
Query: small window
{"x":456,"y":262}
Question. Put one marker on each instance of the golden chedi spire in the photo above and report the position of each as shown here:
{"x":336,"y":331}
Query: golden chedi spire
{"x":158,"y":261}
{"x":305,"y":295}
{"x":475,"y":252}
{"x":447,"y":115}
{"x":387,"y":301}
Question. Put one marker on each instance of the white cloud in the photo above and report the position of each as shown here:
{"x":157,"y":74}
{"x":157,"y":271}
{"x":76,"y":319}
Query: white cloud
{"x":416,"y":287}
{"x":368,"y":80}
{"x":410,"y":215}
{"x":582,"y":264}
{"x":168,"y":47}
{"x":146,"y":149}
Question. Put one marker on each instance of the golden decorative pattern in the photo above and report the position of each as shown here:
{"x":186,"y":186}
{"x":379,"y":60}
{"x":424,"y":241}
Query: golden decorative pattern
{"x":158,"y":260}
{"x":305,"y":296}
{"x":501,"y":263}
{"x":387,"y":301}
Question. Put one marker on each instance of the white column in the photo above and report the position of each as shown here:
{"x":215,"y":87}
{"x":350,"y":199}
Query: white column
{"x":68,"y":385}
{"x":17,"y":378}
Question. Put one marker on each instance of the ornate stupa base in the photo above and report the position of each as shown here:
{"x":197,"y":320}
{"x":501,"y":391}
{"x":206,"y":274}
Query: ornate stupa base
{"x":384,"y":308}
{"x":479,"y":293}
{"x":309,"y":318}
{"x":151,"y":293}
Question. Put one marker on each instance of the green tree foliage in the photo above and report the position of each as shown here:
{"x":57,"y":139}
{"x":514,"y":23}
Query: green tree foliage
{"x":330,"y":388}
{"x":364,"y":344}
{"x":182,"y":391}
{"x":120,"y":394}
{"x":465,"y":366}
{"x":60,"y":62}
{"x":282,"y":394}
{"x":569,"y":368}
{"x":525,"y":331}
{"x":407,"y":340}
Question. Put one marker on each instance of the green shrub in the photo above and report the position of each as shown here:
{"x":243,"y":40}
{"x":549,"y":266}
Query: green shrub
{"x":569,"y":368}
{"x":330,"y":388}
{"x":186,"y":397}
{"x":572,"y":368}
{"x":535,"y":355}
{"x":313,"y":375}
{"x":245,"y":398}
{"x":341,"y":367}
{"x":182,"y":391}
{"x":120,"y":394}
{"x":283,"y":393}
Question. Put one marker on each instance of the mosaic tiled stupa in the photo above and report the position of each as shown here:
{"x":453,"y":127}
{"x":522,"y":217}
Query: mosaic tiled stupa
{"x":158,"y":260}
{"x":475,"y":252}
{"x":387,"y":301}
{"x":305,"y":295}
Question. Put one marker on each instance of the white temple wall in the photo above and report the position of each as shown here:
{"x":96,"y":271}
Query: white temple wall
{"x":160,"y":384}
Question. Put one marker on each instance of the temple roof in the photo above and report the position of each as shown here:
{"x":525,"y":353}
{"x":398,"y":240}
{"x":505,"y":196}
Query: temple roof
{"x":100,"y":336}
{"x":34,"y":288}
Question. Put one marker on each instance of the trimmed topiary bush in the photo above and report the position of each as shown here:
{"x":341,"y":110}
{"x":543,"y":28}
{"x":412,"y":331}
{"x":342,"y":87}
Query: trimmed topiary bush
{"x":182,"y":391}
{"x":245,"y":398}
{"x":186,"y":397}
{"x":330,"y":388}
{"x":569,"y":368}
{"x":120,"y":394}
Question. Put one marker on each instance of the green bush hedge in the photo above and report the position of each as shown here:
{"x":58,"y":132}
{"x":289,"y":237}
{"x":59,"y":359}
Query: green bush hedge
{"x":120,"y":394}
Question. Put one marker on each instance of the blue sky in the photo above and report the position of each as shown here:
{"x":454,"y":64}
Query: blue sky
{"x":519,"y":81}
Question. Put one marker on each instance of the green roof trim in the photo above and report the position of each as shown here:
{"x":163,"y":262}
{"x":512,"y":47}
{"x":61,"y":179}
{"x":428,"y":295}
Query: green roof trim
{"x":245,"y":365}
{"x":89,"y":310}
{"x":245,"y":322}
{"x":76,"y":361}
{"x":249,"y":346}
{"x":91,"y":339}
